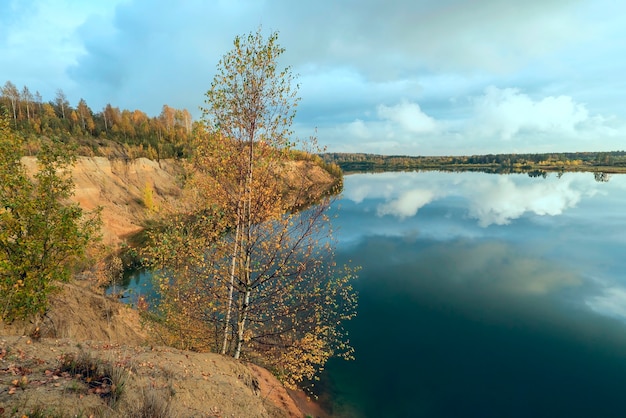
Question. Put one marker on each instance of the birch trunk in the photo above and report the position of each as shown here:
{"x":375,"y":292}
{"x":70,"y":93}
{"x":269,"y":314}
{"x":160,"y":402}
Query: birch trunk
{"x":231,"y":284}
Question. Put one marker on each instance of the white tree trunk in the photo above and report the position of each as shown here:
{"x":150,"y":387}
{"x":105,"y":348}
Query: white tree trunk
{"x":231,"y":285}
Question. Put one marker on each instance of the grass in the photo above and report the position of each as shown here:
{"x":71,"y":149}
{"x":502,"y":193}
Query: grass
{"x":102,"y":378}
{"x":40,"y":411}
{"x":153,"y":405}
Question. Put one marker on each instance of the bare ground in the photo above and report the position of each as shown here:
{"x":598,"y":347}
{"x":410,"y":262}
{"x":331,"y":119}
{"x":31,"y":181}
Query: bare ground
{"x":84,"y":324}
{"x":118,"y":187}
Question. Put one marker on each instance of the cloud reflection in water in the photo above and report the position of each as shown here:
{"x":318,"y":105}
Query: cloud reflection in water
{"x":491,"y":199}
{"x":531,"y":234}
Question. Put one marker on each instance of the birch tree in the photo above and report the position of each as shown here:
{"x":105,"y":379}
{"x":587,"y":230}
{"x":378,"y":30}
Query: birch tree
{"x":13,"y":95}
{"x":61,"y":102}
{"x":276,"y":290}
{"x":28,"y":98}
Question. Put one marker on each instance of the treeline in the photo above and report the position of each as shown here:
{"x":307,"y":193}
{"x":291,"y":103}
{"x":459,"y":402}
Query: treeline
{"x":614,"y":161}
{"x":130,"y":133}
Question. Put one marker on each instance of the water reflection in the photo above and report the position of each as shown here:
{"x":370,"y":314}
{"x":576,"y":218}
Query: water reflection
{"x":134,"y":284}
{"x":484,"y":296}
{"x":492,"y":199}
{"x":570,"y":219}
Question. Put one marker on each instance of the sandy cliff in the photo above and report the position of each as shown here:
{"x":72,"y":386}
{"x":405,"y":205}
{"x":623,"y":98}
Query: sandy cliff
{"x":118,"y":186}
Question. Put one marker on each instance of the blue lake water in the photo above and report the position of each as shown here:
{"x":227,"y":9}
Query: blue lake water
{"x":483,"y":295}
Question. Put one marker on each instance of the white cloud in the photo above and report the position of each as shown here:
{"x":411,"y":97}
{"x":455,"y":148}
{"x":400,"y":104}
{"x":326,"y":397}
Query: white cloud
{"x":507,"y":112}
{"x":611,"y":303}
{"x":498,"y":121}
{"x":502,"y":200}
{"x":397,"y":128}
{"x":358,"y":129}
{"x":493,"y":200}
{"x":407,"y":204}
{"x":408,"y":117}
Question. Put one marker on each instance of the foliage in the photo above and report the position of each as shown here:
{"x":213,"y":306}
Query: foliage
{"x":41,"y":236}
{"x":607,"y":162}
{"x":105,"y":379}
{"x":147,"y":197}
{"x":261,"y":280}
{"x":97,"y":133}
{"x":177,"y":253}
{"x":331,"y":167}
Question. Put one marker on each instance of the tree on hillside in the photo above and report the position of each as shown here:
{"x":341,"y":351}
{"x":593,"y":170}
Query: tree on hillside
{"x":41,"y":235}
{"x":61,"y":103}
{"x":11,"y":92}
{"x":85,"y":116}
{"x":268,"y":284}
{"x":27,"y":98}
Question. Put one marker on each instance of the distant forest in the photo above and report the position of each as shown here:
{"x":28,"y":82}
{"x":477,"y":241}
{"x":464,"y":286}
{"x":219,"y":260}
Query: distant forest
{"x":110,"y":132}
{"x":533,"y":164}
{"x":116,"y":133}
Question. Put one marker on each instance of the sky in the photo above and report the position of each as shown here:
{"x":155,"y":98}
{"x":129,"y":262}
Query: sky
{"x":395,"y":77}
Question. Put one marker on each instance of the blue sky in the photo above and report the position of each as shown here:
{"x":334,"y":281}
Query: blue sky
{"x":420,"y":77}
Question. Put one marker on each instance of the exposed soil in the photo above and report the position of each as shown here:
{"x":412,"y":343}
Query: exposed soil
{"x":82,"y":323}
{"x":118,"y":187}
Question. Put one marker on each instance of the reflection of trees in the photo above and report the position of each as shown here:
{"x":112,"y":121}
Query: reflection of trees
{"x":537,"y":173}
{"x":601,"y":176}
{"x":504,"y":163}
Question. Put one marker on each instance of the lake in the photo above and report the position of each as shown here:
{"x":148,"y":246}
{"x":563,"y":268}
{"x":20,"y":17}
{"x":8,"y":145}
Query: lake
{"x":482,"y":295}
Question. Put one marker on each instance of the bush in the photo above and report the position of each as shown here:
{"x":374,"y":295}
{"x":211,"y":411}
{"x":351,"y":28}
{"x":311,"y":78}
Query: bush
{"x":41,"y":237}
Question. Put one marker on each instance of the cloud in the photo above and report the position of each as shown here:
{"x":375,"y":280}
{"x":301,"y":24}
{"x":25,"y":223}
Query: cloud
{"x":611,"y":303}
{"x":507,"y":112}
{"x":387,"y":129}
{"x":502,"y":200}
{"x":491,"y":200}
{"x":408,"y":117}
{"x":38,"y":43}
{"x":407,"y":204}
{"x":408,"y":35}
{"x":179,"y":44}
{"x":474,"y":264}
{"x":158,"y":52}
{"x":500,"y":120}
